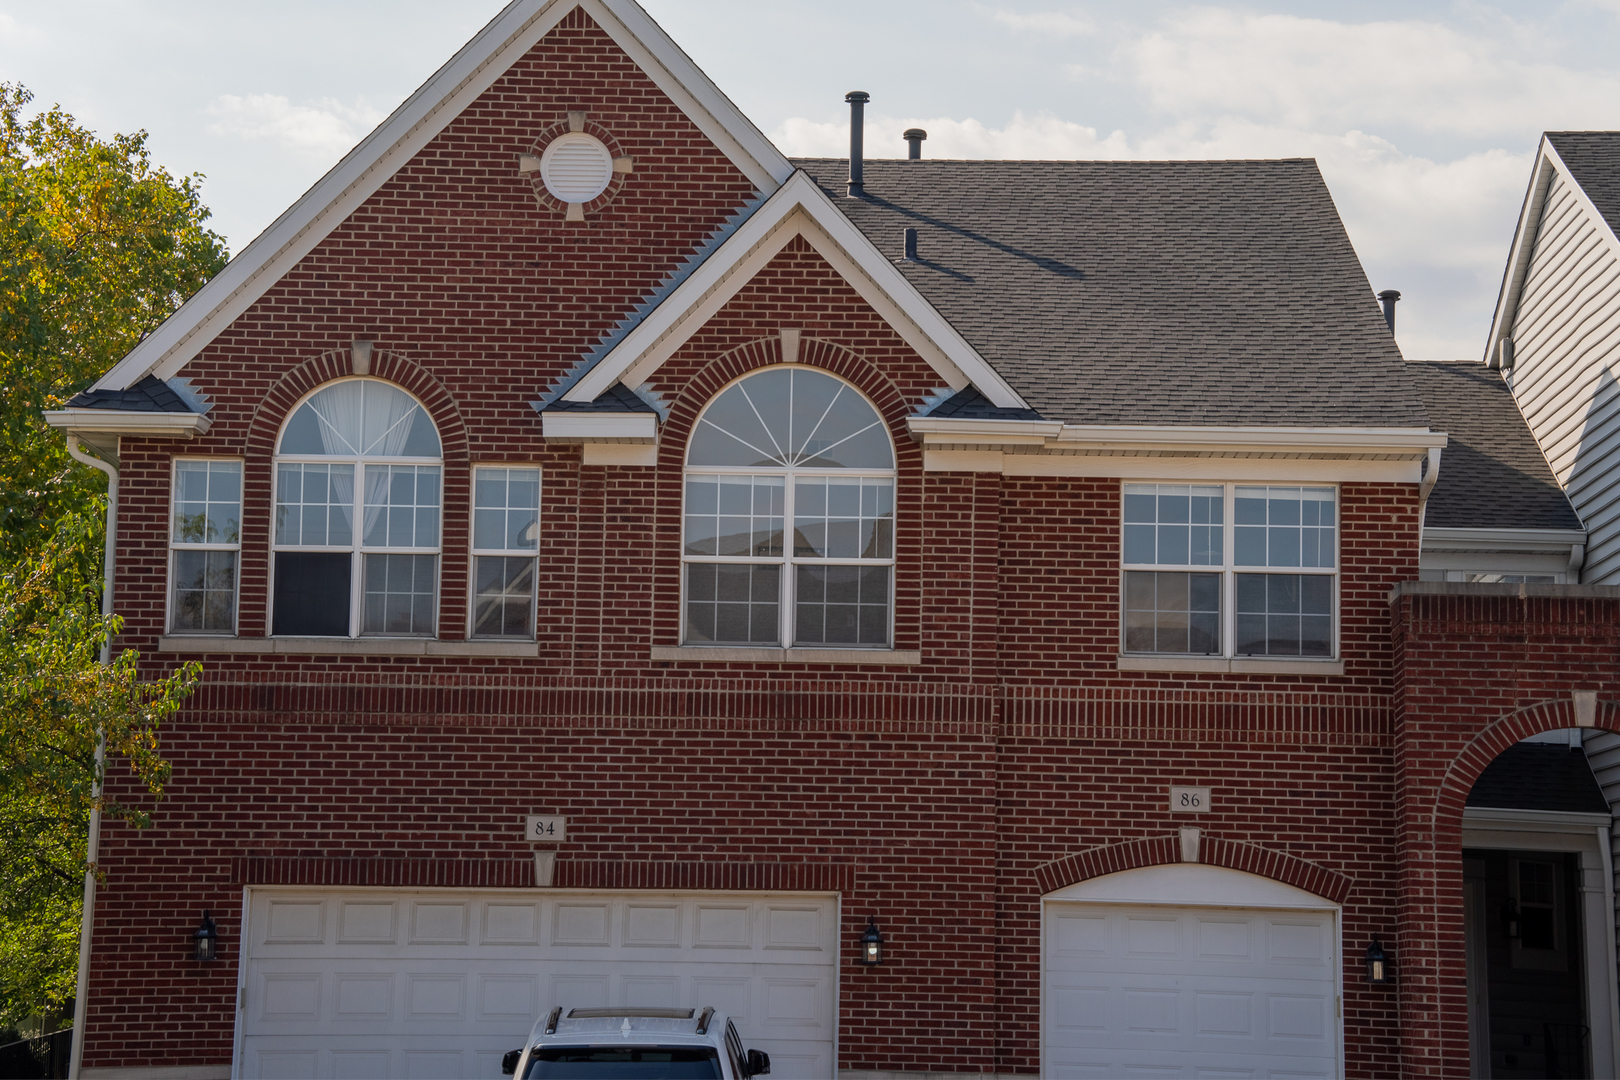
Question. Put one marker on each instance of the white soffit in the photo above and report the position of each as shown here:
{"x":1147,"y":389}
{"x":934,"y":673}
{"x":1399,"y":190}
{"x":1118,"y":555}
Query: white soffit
{"x":799,"y":208}
{"x":1526,"y":234}
{"x":1191,"y":885}
{"x":476,"y":67}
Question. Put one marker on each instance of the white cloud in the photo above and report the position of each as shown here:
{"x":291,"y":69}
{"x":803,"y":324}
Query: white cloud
{"x":324,"y":128}
{"x":1050,"y":23}
{"x":1311,"y":73}
{"x":1043,"y":137}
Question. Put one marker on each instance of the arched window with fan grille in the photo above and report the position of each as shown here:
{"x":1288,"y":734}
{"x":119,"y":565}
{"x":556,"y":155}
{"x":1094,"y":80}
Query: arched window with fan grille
{"x":358,"y":507}
{"x":788,"y":536}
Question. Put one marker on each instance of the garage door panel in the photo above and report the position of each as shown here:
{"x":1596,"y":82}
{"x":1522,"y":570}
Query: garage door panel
{"x":1183,"y":992}
{"x":376,"y":982}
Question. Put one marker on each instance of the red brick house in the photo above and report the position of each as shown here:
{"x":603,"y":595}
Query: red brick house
{"x":628,"y":564}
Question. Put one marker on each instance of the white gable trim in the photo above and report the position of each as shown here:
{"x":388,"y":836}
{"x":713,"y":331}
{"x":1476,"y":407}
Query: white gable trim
{"x":1526,"y":234}
{"x":476,"y":67}
{"x":799,"y":208}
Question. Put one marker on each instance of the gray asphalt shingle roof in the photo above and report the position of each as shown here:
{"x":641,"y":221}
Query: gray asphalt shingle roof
{"x":151,"y":394}
{"x":1169,"y":292}
{"x":1593,"y":158}
{"x":1492,"y":473}
{"x":1539,"y":776}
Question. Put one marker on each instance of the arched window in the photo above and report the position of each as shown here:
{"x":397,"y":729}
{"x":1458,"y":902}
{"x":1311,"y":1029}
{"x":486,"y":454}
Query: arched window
{"x":789,"y":516}
{"x":358,"y":471}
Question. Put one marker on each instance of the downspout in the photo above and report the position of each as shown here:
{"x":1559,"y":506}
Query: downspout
{"x":93,"y":842}
{"x":1431,"y":473}
{"x":1606,"y":852}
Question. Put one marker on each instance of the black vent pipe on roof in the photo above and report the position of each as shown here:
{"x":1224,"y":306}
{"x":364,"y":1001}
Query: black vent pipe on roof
{"x":911,"y":245}
{"x":857,"y":127}
{"x":1388,"y":298}
{"x":914,"y":138}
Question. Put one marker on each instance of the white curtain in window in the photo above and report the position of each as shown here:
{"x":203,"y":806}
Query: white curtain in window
{"x":390,"y":415}
{"x":376,"y":496}
{"x":340,"y":408}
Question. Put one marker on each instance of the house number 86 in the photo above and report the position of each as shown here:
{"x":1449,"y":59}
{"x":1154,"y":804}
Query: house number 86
{"x":1189,"y":800}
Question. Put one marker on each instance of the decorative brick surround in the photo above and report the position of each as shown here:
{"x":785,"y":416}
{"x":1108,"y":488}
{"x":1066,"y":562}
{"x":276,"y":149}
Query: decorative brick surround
{"x":1213,"y":851}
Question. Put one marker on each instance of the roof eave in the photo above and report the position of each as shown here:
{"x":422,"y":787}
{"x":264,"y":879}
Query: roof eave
{"x":151,"y":425}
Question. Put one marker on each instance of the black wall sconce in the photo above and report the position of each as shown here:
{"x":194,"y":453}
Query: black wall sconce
{"x":871,"y":944}
{"x":1378,"y":964}
{"x":205,"y":940}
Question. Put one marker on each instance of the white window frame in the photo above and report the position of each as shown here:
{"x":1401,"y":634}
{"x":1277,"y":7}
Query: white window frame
{"x":357,"y":549}
{"x":176,"y":545}
{"x":1229,"y":571}
{"x":473,"y":551}
{"x":788,"y":604}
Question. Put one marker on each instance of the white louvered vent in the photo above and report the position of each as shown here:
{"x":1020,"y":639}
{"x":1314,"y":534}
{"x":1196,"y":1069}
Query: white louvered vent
{"x":576,"y":168}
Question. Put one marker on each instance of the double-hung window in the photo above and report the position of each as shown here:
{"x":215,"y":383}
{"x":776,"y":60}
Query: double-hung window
{"x":356,"y":531}
{"x":1230,"y":570}
{"x":506,"y":536}
{"x":205,"y":540}
{"x":789,"y":516}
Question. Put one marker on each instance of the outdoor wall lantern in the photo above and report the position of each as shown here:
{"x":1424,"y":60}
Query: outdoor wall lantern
{"x":871,"y":944}
{"x":1377,"y":963}
{"x":205,"y":940}
{"x":1510,"y":919}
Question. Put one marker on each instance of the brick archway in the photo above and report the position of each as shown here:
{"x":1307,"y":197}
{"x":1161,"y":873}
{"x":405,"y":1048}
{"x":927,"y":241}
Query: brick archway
{"x":277,"y":405}
{"x":1501,"y":733}
{"x":1213,"y":851}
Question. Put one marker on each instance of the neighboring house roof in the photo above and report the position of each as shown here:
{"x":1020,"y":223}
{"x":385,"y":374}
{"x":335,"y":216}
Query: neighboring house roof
{"x":1590,"y":162}
{"x":1492,"y":475}
{"x":1539,"y":776}
{"x":151,"y":394}
{"x":969,"y":404}
{"x":456,"y":85}
{"x":1219,"y":293}
{"x":1593,"y":159}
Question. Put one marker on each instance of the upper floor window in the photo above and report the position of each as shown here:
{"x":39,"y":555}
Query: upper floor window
{"x":789,"y":516}
{"x":205,"y":540}
{"x":506,"y":536}
{"x":1230,"y":569}
{"x":356,"y":532}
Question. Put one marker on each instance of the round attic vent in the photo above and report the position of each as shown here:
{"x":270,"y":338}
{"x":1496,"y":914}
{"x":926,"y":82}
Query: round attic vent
{"x":576,"y":168}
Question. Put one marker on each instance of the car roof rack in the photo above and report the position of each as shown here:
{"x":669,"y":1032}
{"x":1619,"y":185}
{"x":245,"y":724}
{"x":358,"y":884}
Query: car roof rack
{"x":631,"y":1010}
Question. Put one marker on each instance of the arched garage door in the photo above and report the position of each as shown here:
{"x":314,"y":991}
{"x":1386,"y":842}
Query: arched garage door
{"x":439,"y":983}
{"x":1189,"y":971}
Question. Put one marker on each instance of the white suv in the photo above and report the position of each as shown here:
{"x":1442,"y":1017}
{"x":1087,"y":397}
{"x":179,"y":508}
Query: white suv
{"x":631,"y":1044}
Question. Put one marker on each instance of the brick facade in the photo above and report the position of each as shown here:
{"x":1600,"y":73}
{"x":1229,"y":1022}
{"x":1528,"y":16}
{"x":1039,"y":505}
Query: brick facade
{"x":944,"y":798}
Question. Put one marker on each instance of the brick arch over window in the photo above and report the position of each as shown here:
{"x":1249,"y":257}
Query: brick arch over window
{"x":1213,"y":851}
{"x":265,"y":426}
{"x":766,"y":352}
{"x":1500,"y":734}
{"x":277,"y":405}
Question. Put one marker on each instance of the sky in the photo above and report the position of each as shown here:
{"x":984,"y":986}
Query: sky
{"x":1424,"y":117}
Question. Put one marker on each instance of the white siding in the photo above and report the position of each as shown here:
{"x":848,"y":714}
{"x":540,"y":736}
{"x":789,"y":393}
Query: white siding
{"x":1603,"y":754}
{"x":1566,"y":334}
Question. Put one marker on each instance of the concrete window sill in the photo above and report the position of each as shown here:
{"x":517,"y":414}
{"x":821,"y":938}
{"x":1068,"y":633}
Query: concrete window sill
{"x":1237,"y":666}
{"x":186,"y":643}
{"x":701,"y":653}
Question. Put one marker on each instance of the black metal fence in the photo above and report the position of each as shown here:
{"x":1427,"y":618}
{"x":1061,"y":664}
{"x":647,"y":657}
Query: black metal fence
{"x":44,"y":1057}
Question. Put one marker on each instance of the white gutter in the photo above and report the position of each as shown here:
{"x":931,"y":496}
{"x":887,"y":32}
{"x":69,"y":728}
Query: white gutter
{"x":1054,"y":435}
{"x":115,"y":422}
{"x":93,"y":842}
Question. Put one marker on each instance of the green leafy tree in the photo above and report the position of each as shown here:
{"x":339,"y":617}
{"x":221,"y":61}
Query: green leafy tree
{"x":97,"y":247}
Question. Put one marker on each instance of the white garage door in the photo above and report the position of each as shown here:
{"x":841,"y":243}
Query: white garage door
{"x":1184,"y":992}
{"x":439,"y":984}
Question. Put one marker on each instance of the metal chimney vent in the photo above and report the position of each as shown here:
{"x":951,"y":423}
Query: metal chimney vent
{"x":857,"y":128}
{"x":914,"y":138}
{"x":1388,"y":298}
